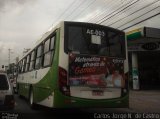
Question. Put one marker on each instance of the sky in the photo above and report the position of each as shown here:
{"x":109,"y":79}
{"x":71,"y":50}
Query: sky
{"x":23,"y":22}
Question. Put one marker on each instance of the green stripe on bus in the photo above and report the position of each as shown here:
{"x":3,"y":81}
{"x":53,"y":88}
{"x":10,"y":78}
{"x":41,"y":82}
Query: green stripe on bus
{"x":48,"y":84}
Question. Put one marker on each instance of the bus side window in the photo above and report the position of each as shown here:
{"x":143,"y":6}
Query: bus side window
{"x":27,"y":63}
{"x":52,"y":47}
{"x":20,"y":67}
{"x":38,"y":57}
{"x":46,"y":53}
{"x":49,"y":46}
{"x":31,"y":66}
{"x":52,"y":44}
{"x":24,"y":65}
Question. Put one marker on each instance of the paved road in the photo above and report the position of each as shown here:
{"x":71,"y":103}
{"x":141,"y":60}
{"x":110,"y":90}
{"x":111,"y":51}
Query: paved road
{"x":140,"y":102}
{"x":24,"y":111}
{"x":145,"y":101}
{"x":23,"y":108}
{"x":22,"y":105}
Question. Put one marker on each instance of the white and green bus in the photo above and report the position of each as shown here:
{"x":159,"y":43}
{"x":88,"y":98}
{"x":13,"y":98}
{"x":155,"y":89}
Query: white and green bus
{"x":76,"y":64}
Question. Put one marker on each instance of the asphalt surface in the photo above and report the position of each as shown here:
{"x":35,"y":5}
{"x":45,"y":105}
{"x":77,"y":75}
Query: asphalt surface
{"x":142,"y":102}
{"x":147,"y":101}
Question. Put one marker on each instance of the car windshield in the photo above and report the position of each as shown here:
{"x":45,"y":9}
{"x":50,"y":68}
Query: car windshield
{"x":3,"y":82}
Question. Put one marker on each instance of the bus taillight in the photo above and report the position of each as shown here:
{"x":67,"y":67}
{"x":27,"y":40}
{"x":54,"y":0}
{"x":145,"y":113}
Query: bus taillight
{"x":63,"y":86}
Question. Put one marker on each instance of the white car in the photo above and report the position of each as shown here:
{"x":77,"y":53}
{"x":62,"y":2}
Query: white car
{"x":6,"y":93}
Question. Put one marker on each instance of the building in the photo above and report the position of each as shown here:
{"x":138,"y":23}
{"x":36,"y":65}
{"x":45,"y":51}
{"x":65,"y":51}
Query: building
{"x":144,"y":57}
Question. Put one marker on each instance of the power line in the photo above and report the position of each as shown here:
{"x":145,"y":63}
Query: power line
{"x":66,"y":9}
{"x":118,"y":8}
{"x":98,"y":14}
{"x":75,"y":9}
{"x":64,"y":12}
{"x":137,"y":17}
{"x":117,"y":12}
{"x":106,"y":11}
{"x":142,"y":21}
{"x":134,"y":12}
{"x":85,"y":9}
{"x":69,"y":6}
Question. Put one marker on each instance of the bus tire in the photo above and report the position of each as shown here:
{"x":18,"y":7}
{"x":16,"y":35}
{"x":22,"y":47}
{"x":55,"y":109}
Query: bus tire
{"x":31,"y":103}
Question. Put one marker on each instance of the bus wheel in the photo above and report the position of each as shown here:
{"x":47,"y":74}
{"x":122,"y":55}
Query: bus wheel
{"x":31,"y":103}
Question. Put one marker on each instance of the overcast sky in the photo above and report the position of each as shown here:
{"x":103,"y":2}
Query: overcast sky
{"x":23,"y":22}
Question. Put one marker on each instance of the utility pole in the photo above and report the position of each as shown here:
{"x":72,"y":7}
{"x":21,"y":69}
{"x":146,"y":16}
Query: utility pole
{"x":9,"y":52}
{"x":9,"y":56}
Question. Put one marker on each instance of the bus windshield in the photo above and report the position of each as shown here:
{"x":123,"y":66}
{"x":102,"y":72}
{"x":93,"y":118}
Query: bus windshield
{"x":95,"y":40}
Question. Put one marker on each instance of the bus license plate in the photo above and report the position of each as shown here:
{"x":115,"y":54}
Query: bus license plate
{"x":97,"y":93}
